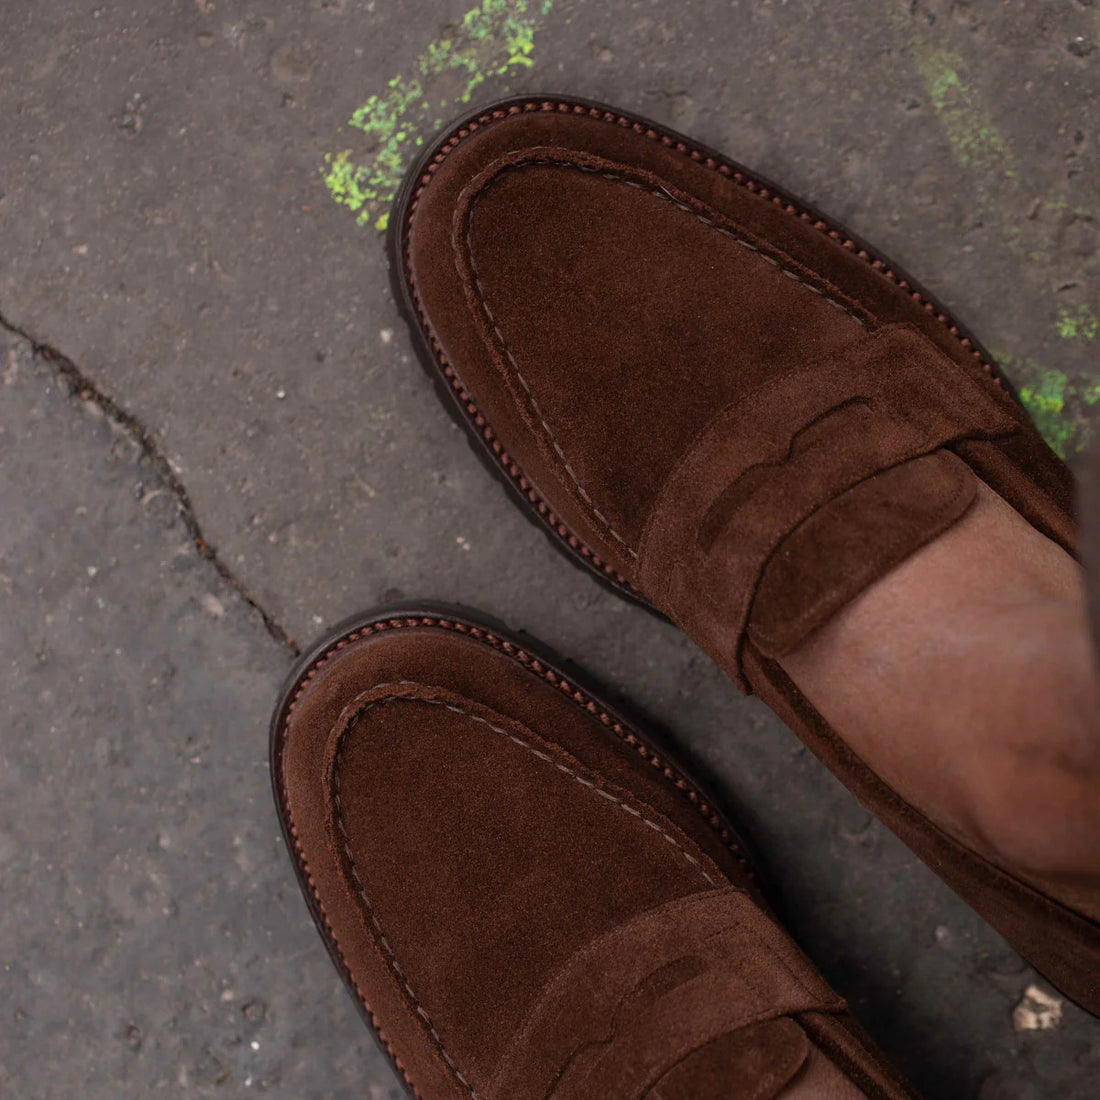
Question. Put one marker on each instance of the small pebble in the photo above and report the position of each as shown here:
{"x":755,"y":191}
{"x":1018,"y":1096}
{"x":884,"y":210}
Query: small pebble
{"x":212,"y":605}
{"x":1037,"y":1011}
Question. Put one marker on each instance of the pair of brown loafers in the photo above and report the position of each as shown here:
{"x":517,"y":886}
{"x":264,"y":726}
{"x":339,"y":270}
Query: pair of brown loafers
{"x":735,"y":412}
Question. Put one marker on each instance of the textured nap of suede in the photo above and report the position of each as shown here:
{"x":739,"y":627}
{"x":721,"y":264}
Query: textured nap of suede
{"x":725,"y":405}
{"x":713,"y":337}
{"x":527,"y":900}
{"x":552,"y":312}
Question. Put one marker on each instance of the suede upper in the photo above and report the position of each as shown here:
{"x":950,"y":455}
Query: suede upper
{"x":725,"y":405}
{"x":528,"y":900}
{"x":567,"y":267}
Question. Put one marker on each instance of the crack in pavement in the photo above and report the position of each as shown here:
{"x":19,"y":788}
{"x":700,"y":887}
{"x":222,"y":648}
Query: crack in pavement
{"x":81,"y":386}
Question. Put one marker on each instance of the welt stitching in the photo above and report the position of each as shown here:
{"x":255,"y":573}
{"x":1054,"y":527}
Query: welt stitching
{"x":374,"y":1021}
{"x":511,"y":467}
{"x":581,"y":698}
{"x":736,"y":176}
{"x":391,"y":956}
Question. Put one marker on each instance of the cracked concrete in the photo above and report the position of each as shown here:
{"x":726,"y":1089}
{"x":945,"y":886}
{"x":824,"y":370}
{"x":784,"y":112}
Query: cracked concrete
{"x":164,"y":223}
{"x":81,"y":386}
{"x":154,"y":939}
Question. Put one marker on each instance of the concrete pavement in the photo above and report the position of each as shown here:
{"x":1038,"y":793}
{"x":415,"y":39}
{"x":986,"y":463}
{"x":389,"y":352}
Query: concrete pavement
{"x":224,"y":445}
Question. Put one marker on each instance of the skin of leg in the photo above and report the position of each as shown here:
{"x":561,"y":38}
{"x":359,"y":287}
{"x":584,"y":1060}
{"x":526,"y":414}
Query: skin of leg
{"x":966,"y":678}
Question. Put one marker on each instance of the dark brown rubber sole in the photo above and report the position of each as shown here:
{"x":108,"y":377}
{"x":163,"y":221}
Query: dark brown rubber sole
{"x":446,"y":378}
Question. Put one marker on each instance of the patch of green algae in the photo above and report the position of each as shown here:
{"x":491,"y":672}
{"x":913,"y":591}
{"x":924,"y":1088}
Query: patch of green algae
{"x":968,"y":126}
{"x":1059,"y":406}
{"x":491,"y":40}
{"x":1077,"y":324}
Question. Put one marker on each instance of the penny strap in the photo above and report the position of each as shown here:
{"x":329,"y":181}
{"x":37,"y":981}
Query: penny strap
{"x":789,"y":451}
{"x":676,"y":981}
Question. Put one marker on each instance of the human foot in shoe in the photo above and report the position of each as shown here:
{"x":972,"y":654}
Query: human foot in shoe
{"x":526,"y":897}
{"x":732,"y":410}
{"x":966,"y":678}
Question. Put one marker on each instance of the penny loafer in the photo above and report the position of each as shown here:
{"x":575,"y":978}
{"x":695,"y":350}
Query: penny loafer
{"x":723,"y":404}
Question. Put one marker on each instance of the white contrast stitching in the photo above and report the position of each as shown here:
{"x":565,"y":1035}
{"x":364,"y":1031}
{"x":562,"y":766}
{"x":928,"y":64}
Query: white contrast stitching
{"x":665,"y":196}
{"x":391,"y":958}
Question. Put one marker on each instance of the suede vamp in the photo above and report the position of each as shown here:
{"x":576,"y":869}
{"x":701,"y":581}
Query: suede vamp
{"x":528,"y":900}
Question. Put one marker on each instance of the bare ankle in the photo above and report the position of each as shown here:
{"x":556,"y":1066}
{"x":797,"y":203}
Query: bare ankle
{"x":1038,"y":802}
{"x":1040,"y":821}
{"x":967,"y":680}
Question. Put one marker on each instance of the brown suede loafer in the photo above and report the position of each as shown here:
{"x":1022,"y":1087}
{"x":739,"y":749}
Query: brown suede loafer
{"x":723,"y":404}
{"x":525,"y":896}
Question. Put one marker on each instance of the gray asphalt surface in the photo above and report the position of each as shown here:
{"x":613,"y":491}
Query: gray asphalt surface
{"x":224,"y":445}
